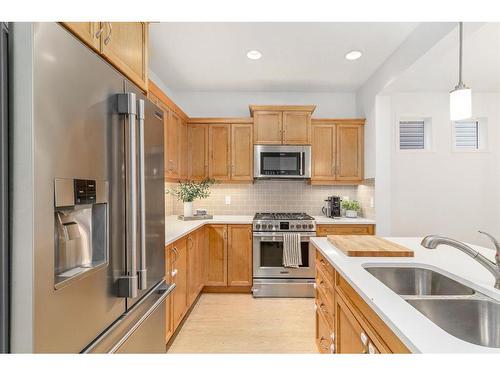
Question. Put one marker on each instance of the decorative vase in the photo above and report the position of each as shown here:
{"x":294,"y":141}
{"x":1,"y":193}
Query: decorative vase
{"x":188,"y":209}
{"x":351,"y":213}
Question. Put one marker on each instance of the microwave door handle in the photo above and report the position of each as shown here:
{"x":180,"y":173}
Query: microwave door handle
{"x":302,"y":156}
{"x":142,"y":270}
{"x":127,"y":284}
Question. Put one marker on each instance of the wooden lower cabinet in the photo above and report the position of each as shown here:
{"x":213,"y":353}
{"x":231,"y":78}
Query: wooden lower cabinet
{"x":216,"y":255}
{"x":228,"y":257}
{"x":323,"y":230}
{"x":239,"y":255}
{"x":345,"y":319}
{"x":179,"y":277}
{"x":195,"y":247}
{"x":169,"y":330}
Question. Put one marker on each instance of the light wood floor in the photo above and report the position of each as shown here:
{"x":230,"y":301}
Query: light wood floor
{"x":239,"y":323}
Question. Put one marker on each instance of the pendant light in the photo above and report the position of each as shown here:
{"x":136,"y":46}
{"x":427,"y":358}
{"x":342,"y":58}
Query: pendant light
{"x":461,"y":95}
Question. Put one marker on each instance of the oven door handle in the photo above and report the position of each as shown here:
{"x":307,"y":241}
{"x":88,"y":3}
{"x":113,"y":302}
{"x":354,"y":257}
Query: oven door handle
{"x":279,"y":238}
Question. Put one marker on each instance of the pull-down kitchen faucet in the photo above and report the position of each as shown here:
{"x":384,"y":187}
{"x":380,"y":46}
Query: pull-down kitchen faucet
{"x":431,"y":242}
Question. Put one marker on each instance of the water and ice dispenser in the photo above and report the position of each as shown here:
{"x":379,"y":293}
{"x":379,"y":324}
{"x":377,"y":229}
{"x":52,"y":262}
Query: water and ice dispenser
{"x":81,"y":228}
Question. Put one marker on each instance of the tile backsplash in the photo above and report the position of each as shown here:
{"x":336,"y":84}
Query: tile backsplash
{"x":274,"y":196}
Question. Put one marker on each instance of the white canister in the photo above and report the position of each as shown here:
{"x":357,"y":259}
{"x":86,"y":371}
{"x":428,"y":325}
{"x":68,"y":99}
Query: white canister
{"x":188,"y":209}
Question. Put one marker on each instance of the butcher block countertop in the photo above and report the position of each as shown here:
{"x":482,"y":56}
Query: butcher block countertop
{"x":417,"y":332}
{"x":368,"y":246}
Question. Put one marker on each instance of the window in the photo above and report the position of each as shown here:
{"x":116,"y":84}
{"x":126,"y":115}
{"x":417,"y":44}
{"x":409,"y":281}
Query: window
{"x":466,"y":135}
{"x":412,"y":134}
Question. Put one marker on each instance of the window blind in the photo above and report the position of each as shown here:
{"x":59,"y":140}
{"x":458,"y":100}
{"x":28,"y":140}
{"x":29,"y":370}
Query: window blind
{"x":412,"y":135}
{"x":467,"y":135}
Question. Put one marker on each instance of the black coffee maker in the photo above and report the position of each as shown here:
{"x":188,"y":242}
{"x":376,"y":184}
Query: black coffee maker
{"x":332,"y":206}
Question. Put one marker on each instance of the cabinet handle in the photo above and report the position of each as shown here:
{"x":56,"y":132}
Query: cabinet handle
{"x":176,"y":254}
{"x":225,"y":234}
{"x":363,"y":338}
{"x":321,"y":339}
{"x":174,"y":272}
{"x":108,"y":38}
{"x":372,"y":349}
{"x":332,"y":348}
{"x":322,"y":307}
{"x":323,"y":285}
{"x":250,"y":234}
{"x":99,"y":32}
{"x":190,"y":239}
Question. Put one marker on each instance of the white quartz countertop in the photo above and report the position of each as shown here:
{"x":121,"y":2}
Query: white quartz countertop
{"x":418,"y":333}
{"x":175,"y":228}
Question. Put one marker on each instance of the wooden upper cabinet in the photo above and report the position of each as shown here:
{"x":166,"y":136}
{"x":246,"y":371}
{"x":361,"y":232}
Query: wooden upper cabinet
{"x":268,"y":127}
{"x":239,"y":255}
{"x":183,"y":150}
{"x":350,"y":145}
{"x":172,"y":132}
{"x":219,"y":166}
{"x":241,"y":152}
{"x":323,"y":152}
{"x":337,"y":151}
{"x":197,"y":151}
{"x":88,"y":32}
{"x":296,"y":128}
{"x":216,"y":255}
{"x":125,"y":45}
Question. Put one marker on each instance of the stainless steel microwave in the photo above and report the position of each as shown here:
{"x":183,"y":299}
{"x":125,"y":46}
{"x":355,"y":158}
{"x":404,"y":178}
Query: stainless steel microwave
{"x":282,"y":161}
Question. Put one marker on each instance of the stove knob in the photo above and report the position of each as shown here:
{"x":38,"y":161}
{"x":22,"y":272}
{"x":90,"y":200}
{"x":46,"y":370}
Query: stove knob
{"x":291,"y":226}
{"x":311,"y":226}
{"x":257,"y":226}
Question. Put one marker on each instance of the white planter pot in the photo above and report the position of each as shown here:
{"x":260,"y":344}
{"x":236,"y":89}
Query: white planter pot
{"x":351,"y":213}
{"x":188,"y":209}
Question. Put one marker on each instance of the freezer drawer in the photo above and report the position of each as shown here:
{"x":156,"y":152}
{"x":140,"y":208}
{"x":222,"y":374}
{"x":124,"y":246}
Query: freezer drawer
{"x":141,"y":329}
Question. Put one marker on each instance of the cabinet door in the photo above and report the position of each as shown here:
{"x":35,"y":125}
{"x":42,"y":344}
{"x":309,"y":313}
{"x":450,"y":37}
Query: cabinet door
{"x":296,"y":128}
{"x":200,"y":249}
{"x":179,"y":277}
{"x":219,"y":136}
{"x":216,"y":255}
{"x":89,"y":32}
{"x":192,"y":261}
{"x":323,"y":152}
{"x":241,"y":152}
{"x":350,"y":146}
{"x":172,"y":152}
{"x":350,"y":336}
{"x":267,"y":127}
{"x":169,"y":256}
{"x":239,"y":255}
{"x":197,"y":151}
{"x":183,"y":151}
{"x":324,"y":340}
{"x":125,"y":45}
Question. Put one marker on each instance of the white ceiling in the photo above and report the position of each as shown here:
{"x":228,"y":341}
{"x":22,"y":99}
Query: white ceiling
{"x":296,"y":56}
{"x":437,"y":70}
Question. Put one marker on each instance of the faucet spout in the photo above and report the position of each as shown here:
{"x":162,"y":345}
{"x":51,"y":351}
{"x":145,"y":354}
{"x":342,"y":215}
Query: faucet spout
{"x":433,"y":241}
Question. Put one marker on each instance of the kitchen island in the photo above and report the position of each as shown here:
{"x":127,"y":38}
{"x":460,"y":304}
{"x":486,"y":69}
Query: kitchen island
{"x":416,"y":332}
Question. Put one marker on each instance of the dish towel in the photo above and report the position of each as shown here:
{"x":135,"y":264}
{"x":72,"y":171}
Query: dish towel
{"x":292,"y":256}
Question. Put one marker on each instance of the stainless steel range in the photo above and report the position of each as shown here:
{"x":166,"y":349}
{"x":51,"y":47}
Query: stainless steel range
{"x":270,"y":277}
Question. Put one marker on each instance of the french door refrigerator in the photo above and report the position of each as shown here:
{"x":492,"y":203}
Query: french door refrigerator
{"x":95,"y":234}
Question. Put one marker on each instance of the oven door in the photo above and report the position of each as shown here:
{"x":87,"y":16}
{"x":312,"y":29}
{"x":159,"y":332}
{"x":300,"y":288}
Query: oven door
{"x":268,"y":256}
{"x":282,"y":161}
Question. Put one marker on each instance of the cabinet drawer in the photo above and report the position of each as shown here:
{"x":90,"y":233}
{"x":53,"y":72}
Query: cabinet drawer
{"x":325,"y":266}
{"x":324,"y":335}
{"x":358,"y":229}
{"x":325,"y":308}
{"x":324,"y":285}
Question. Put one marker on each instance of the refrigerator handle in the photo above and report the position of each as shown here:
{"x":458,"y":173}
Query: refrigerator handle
{"x":127,"y":284}
{"x":142,"y":271}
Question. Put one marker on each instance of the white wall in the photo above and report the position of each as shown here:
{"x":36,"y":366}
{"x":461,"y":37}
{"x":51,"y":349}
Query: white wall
{"x":235,"y":104}
{"x":441,"y":191}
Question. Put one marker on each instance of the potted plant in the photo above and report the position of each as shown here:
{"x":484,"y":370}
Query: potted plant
{"x":188,"y":191}
{"x":351,"y":208}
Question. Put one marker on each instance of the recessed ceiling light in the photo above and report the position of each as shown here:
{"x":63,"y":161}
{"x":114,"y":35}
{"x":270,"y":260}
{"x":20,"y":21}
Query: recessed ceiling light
{"x":353,"y":55}
{"x":254,"y":54}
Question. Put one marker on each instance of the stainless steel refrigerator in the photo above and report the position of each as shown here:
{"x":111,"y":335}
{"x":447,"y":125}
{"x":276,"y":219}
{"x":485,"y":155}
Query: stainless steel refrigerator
{"x":93,"y":171}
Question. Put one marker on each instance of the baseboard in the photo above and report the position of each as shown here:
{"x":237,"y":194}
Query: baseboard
{"x":227,"y":289}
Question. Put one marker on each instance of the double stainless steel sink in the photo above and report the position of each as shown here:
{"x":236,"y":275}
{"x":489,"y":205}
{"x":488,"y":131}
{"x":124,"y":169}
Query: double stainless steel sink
{"x":456,"y":308}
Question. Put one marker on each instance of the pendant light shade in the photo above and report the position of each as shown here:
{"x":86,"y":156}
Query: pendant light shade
{"x":460,"y":104}
{"x":461,"y":95}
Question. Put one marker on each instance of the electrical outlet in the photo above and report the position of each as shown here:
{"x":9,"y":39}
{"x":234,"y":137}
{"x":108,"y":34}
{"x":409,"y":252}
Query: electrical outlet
{"x":372,"y":202}
{"x":227,"y":199}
